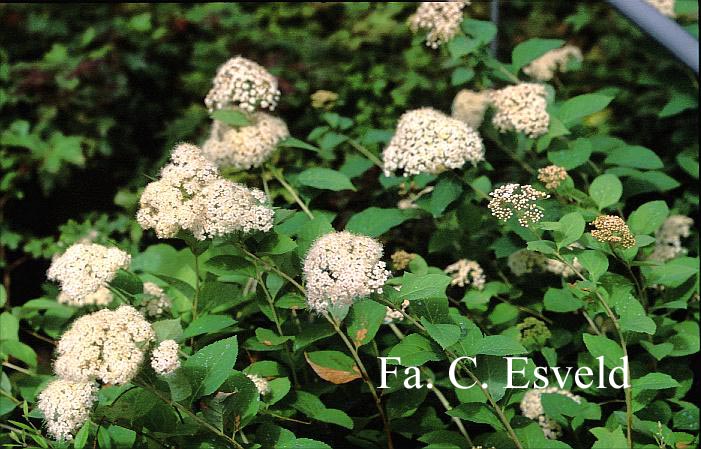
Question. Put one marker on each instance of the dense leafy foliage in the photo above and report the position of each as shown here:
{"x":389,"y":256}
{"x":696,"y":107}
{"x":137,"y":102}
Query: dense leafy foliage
{"x":92,"y":100}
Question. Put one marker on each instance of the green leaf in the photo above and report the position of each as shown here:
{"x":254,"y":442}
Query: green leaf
{"x":364,"y":320}
{"x":500,"y":345}
{"x":632,"y":313}
{"x":447,"y":190}
{"x":476,"y":413}
{"x":208,"y":324}
{"x":375,"y":221}
{"x":648,"y":217}
{"x":561,"y":300}
{"x":678,"y":103}
{"x":415,"y":350}
{"x":291,"y":142}
{"x":634,"y":156}
{"x":416,"y":287}
{"x":602,"y":346}
{"x":81,"y":438}
{"x":326,"y":179}
{"x":310,"y":232}
{"x":333,"y":366}
{"x":18,"y":350}
{"x":578,"y":154}
{"x":461,"y":75}
{"x":482,"y":30}
{"x":609,"y":439}
{"x":312,"y":406}
{"x":654,"y":381}
{"x":532,"y":49}
{"x":231,"y":117}
{"x":445,"y":335}
{"x":542,"y":246}
{"x":659,"y":351}
{"x":460,"y":46}
{"x":606,"y":190}
{"x":571,"y":229}
{"x":209,"y":367}
{"x":595,"y":262}
{"x":673,"y":273}
{"x":9,"y":326}
{"x":580,"y":106}
{"x":168,"y":329}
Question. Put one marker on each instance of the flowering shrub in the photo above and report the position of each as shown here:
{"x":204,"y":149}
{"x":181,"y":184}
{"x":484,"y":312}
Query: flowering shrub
{"x":510,"y":273}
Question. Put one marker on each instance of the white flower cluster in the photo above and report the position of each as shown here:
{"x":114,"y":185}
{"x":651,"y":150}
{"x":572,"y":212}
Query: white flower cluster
{"x":392,"y":315}
{"x":107,"y":345}
{"x":552,"y":176}
{"x":84,"y":271}
{"x":517,"y":198}
{"x":242,"y":83}
{"x":341,"y":267}
{"x":469,"y":107}
{"x":544,"y":67}
{"x":441,"y":20}
{"x":466,"y":272}
{"x":668,"y":244}
{"x":521,"y":108}
{"x":524,"y":261}
{"x":164,"y":358}
{"x":155,"y":302}
{"x":191,"y":196}
{"x":247,"y":146}
{"x":66,"y":406}
{"x":532,"y":407}
{"x":428,"y":141}
{"x":261,"y":383}
{"x":665,"y":7}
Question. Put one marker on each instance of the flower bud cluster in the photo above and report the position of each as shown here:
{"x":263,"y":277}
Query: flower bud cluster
{"x":441,"y":20}
{"x":552,"y":176}
{"x":341,"y":267}
{"x":466,"y":272}
{"x":242,"y":83}
{"x":192,"y":196}
{"x":247,"y":146}
{"x":392,"y":315}
{"x":469,"y":107}
{"x":401,"y":259}
{"x":164,"y":358}
{"x":612,"y":229}
{"x":261,"y":383}
{"x":84,"y":271}
{"x":519,"y":199}
{"x":155,"y":303}
{"x":544,"y":67}
{"x":668,"y":244}
{"x":428,"y":141}
{"x":521,"y":108}
{"x":66,"y":406}
{"x":107,"y":345}
{"x":524,"y":261}
{"x":532,"y":407}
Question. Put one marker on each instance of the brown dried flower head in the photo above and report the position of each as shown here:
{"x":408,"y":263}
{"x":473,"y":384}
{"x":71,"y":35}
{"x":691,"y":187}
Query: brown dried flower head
{"x":552,"y":176}
{"x":612,"y":229}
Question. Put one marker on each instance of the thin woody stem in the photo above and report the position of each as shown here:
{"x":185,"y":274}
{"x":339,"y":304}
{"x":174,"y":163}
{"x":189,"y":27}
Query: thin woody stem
{"x":627,"y":390}
{"x":281,"y":179}
{"x":486,"y":393}
{"x":365,"y":376}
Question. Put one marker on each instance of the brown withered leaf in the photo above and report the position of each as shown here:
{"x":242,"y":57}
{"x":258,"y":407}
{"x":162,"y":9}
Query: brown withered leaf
{"x":337,"y":374}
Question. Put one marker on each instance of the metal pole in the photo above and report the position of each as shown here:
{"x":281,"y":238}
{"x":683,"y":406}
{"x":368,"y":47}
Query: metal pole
{"x":664,"y":30}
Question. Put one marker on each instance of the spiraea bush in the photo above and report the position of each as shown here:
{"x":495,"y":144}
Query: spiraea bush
{"x":263,"y":279}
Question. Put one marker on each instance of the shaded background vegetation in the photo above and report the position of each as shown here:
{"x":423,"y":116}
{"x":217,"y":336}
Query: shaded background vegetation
{"x":93,"y":98}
